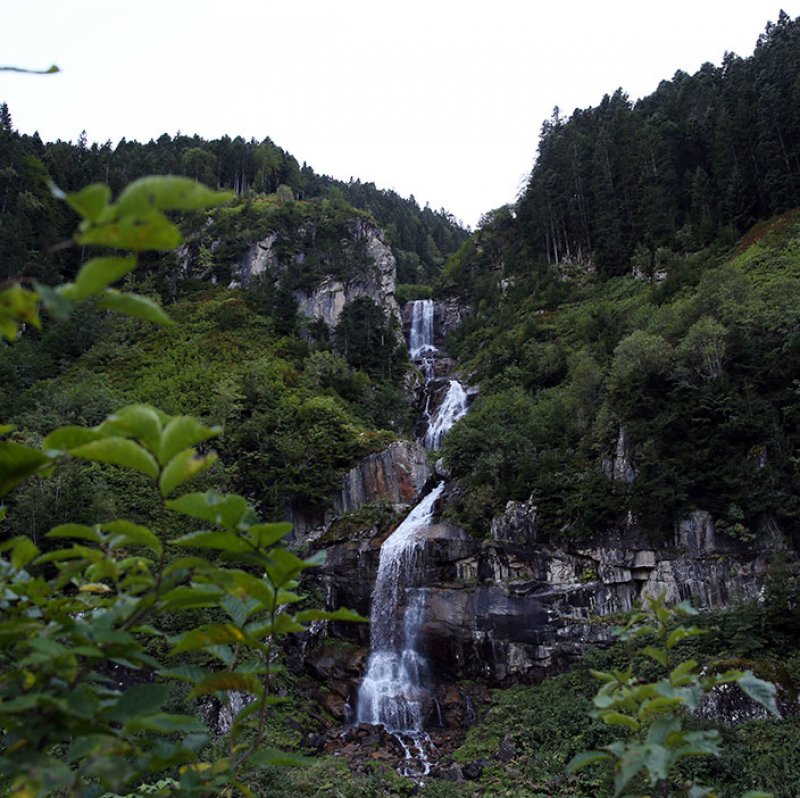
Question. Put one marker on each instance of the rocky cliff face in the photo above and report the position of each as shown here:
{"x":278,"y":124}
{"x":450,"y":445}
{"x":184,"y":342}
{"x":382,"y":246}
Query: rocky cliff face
{"x":516,"y":608}
{"x":396,"y":476}
{"x":373,"y":271}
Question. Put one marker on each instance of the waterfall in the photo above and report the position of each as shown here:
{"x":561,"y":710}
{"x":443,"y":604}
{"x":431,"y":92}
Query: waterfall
{"x":393,"y":689}
{"x":420,"y":336}
{"x":451,"y":409}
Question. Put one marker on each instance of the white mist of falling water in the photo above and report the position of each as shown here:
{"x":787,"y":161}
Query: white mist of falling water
{"x":393,"y":689}
{"x":420,"y":336}
{"x":449,"y":411}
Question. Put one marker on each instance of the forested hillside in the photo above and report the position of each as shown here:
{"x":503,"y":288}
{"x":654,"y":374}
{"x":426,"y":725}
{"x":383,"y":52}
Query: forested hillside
{"x":31,"y":220}
{"x":625,"y":343}
{"x":617,"y":311}
{"x":701,"y":159}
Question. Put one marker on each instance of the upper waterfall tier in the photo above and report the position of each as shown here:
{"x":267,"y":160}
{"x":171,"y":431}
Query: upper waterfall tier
{"x":420,"y":334}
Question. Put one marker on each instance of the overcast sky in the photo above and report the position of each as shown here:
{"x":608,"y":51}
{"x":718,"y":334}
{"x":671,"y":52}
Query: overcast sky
{"x":441,"y":99}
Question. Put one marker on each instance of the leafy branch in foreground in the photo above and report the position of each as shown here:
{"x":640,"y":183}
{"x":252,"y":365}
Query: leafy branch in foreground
{"x":136,"y":222}
{"x":79,"y":622}
{"x":71,"y":614}
{"x":654,"y":711}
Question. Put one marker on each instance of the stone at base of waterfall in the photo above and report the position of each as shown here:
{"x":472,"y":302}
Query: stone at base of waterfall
{"x":366,"y":744}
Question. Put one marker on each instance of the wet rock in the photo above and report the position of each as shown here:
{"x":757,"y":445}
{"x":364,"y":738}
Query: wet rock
{"x":506,"y":752}
{"x":397,"y":475}
{"x":452,"y":772}
{"x":474,"y":770}
{"x":313,"y":742}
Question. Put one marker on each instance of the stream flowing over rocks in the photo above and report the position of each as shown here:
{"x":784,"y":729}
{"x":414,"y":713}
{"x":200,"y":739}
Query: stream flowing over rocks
{"x":511,"y":607}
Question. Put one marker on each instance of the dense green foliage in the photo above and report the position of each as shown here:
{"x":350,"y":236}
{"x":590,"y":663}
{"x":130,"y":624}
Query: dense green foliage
{"x":32,"y":221}
{"x":701,"y":370}
{"x":704,"y":155}
{"x":296,"y":416}
{"x":85,"y":638}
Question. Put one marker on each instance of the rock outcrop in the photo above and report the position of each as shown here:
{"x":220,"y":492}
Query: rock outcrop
{"x":396,"y":476}
{"x":516,"y":607}
{"x":371,"y":271}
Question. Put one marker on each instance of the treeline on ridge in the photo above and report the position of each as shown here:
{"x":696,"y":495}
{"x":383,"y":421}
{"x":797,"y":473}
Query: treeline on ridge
{"x":620,"y":315}
{"x":31,"y":219}
{"x":704,"y":155}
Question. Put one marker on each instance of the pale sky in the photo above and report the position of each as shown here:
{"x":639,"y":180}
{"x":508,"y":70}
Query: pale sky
{"x":441,"y":99}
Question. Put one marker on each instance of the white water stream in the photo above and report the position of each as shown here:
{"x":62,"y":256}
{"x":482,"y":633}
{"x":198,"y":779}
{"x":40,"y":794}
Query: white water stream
{"x":394,"y":691}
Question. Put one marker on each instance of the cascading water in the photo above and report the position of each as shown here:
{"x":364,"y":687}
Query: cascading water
{"x":394,"y":690}
{"x":420,"y":335}
{"x":449,"y":411}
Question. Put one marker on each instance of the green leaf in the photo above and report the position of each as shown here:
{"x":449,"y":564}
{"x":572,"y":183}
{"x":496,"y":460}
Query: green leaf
{"x":184,"y":466}
{"x":221,"y":541}
{"x":265,"y":535}
{"x":23,"y":550}
{"x":57,"y":301}
{"x":618,"y":719}
{"x":658,"y":654}
{"x":246,"y":586}
{"x":141,"y":699}
{"x":284,"y":566}
{"x":121,"y":452}
{"x":98,"y":273}
{"x":183,"y":432}
{"x":238,"y":610}
{"x":627,"y":767}
{"x":4,"y":428}
{"x":162,"y":723}
{"x":139,"y":307}
{"x":187,"y":598}
{"x":90,"y":202}
{"x":682,"y":633}
{"x":681,"y":673}
{"x":135,"y":421}
{"x":185,"y":673}
{"x":685,"y":608}
{"x":581,"y":760}
{"x":604,"y":676}
{"x":168,"y":193}
{"x":761,"y":691}
{"x":229,"y":510}
{"x":757,"y":794}
{"x":657,"y":761}
{"x":149,"y":230}
{"x":245,"y":682}
{"x":654,"y":706}
{"x":18,"y":462}
{"x":78,"y":531}
{"x":70,"y":437}
{"x":18,"y":304}
{"x":126,"y":533}
{"x":208,"y":635}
